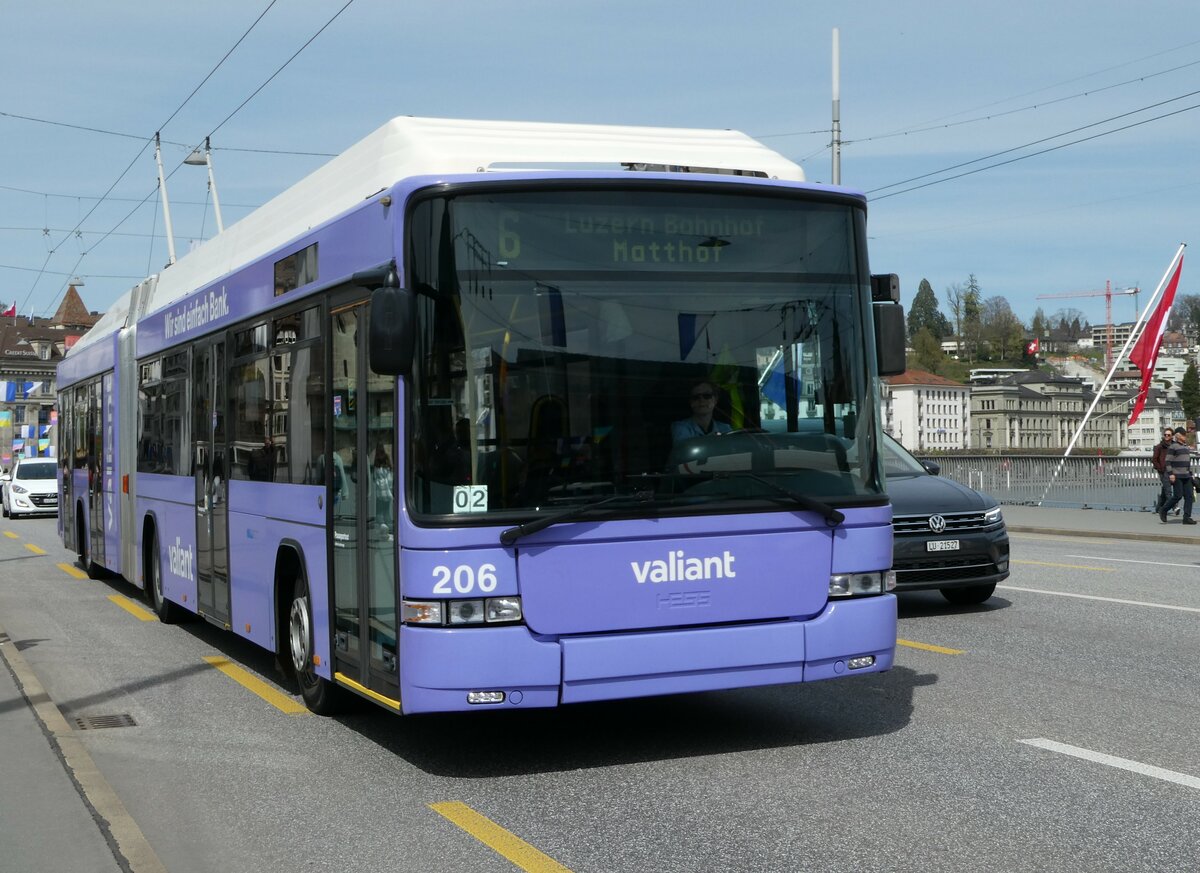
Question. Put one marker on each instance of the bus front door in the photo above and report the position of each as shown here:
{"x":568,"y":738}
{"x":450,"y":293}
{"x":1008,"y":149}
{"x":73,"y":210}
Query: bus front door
{"x":362,"y":504}
{"x":208,"y":470}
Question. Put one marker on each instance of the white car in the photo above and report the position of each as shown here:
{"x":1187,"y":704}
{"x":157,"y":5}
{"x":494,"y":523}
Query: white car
{"x":33,"y":488}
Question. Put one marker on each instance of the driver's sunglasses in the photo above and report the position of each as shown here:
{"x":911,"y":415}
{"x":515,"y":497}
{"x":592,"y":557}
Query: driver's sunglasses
{"x":707,"y":396}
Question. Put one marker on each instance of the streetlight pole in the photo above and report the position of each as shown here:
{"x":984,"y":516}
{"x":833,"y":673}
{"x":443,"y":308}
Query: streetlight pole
{"x":837,"y":111}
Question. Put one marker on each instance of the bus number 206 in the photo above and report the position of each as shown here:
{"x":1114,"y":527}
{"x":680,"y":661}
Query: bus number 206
{"x":464,"y":578}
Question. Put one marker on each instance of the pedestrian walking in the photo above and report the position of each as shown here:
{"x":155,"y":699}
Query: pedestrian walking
{"x":1159,"y":461}
{"x":1179,"y":472}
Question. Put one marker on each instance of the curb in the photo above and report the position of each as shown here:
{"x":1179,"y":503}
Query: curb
{"x":1108,"y":535}
{"x":130,"y":848}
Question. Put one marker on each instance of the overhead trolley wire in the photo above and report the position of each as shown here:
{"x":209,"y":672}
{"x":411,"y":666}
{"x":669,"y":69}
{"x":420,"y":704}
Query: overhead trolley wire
{"x":1071,"y":81}
{"x":995,"y":115}
{"x":307,"y":43}
{"x":139,"y":137}
{"x":141,"y":151}
{"x":1033,"y":154}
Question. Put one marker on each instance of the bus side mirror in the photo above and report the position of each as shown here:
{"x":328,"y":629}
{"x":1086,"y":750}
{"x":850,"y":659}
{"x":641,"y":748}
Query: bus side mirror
{"x":890,"y":340}
{"x":393,"y":330}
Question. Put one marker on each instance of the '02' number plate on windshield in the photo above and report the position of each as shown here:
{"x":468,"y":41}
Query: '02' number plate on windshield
{"x":941,"y":546}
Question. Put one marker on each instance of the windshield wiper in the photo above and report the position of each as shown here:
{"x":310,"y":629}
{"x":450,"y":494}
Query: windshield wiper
{"x":512,"y":534}
{"x":833,"y":517}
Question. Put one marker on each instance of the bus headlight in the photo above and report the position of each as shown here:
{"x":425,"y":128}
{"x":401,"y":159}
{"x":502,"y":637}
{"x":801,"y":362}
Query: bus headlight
{"x":466,"y":611}
{"x":857,"y":584}
{"x":503,"y":609}
{"x":493,"y":610}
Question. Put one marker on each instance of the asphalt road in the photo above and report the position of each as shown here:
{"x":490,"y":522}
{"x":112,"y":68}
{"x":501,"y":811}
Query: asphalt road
{"x":1055,"y":728}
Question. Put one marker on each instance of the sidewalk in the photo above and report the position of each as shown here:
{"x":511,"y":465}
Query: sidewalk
{"x":44,"y":822}
{"x":1099,"y":523}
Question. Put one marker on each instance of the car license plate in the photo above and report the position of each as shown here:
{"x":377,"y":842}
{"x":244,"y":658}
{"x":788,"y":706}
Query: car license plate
{"x":941,"y":546}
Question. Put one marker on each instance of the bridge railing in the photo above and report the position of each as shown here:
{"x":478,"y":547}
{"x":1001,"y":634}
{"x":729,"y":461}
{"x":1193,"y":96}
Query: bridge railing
{"x":1113,"y":483}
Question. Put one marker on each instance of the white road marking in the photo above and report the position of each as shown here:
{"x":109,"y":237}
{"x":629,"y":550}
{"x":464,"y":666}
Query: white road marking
{"x":1047,"y":538}
{"x":1094,"y":597}
{"x":1113,"y":761}
{"x":1191,"y":566}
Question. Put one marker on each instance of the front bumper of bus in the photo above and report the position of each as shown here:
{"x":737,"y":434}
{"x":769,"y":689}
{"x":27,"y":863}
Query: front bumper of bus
{"x":509,"y":667}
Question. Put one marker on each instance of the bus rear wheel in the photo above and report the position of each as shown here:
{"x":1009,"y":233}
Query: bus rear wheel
{"x":320,"y":695}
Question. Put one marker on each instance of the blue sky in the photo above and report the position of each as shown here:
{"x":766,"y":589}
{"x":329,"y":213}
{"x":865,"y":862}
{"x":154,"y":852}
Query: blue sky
{"x":924,"y":86}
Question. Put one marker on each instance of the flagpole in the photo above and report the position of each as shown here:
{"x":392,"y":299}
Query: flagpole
{"x":1133,"y":334}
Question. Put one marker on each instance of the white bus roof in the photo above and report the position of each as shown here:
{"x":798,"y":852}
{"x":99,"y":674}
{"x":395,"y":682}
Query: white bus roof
{"x":113,"y":319}
{"x":407,"y":147}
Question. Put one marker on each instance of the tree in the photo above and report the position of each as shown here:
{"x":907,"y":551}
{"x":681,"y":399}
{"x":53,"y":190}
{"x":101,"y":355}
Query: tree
{"x":954,"y":299}
{"x":924,"y":313}
{"x":1040,"y":326}
{"x":1185,"y":314}
{"x":972,"y":314}
{"x":1001,"y":328}
{"x":1068,"y":321}
{"x":1189,"y":393}
{"x":928,"y":350}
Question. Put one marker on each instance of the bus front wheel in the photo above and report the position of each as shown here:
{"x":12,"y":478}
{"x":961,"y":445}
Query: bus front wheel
{"x":320,"y":695}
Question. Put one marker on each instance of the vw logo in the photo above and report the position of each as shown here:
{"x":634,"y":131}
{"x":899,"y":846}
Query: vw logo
{"x":937,"y":524}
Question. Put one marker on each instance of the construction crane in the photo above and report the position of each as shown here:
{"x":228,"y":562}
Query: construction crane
{"x":1107,"y":294}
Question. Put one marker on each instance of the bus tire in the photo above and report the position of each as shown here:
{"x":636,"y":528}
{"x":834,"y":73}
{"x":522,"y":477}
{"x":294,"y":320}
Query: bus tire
{"x":167,"y":612}
{"x":969,"y":595}
{"x":320,"y":695}
{"x":93,"y":570}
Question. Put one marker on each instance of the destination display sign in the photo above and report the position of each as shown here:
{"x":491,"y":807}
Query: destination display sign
{"x":651,"y":232}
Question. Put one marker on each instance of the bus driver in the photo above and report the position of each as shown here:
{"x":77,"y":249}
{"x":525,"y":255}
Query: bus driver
{"x":703,"y":398}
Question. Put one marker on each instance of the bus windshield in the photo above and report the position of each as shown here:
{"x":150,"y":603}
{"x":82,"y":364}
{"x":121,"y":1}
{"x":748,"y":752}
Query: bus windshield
{"x":578,"y":345}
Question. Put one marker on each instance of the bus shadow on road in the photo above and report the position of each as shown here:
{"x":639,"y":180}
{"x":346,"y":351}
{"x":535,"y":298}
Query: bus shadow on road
{"x":591,"y":735}
{"x":481,"y":745}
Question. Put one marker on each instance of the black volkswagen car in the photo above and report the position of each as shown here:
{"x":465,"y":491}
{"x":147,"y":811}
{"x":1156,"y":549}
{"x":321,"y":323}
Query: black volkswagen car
{"x":947,"y":536}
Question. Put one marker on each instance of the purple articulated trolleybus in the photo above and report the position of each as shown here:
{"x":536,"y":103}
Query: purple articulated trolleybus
{"x":433,"y":424}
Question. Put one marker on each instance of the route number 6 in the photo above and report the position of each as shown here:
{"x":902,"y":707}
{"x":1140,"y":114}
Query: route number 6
{"x":464,"y":578}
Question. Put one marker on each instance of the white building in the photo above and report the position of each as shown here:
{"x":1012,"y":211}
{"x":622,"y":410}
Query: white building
{"x":1170,"y":369}
{"x":925,"y":412}
{"x":1159,"y":413}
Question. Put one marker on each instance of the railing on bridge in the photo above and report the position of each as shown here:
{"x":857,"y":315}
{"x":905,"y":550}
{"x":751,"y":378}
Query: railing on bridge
{"x":1084,"y":481}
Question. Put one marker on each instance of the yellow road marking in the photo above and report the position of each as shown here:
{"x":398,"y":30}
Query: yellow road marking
{"x":11,"y":535}
{"x":497,"y":838}
{"x":72,"y":570}
{"x":132,"y":608}
{"x":930,"y":648}
{"x":1067,"y":566}
{"x":252,"y":683}
{"x":35,"y":549}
